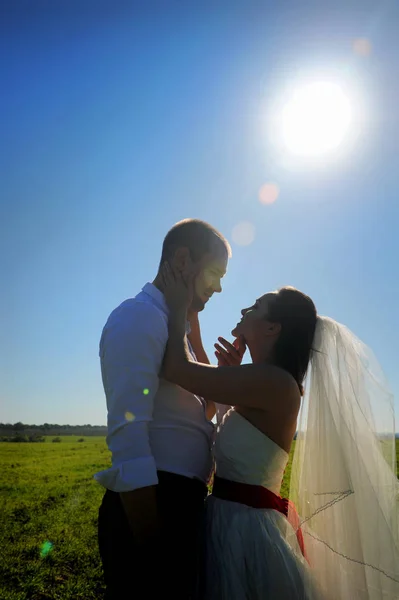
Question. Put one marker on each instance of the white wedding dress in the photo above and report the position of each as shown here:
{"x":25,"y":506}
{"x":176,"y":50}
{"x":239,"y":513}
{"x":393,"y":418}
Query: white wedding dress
{"x":343,"y":482}
{"x":251,"y":553}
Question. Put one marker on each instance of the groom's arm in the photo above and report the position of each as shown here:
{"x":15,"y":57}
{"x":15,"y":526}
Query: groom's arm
{"x":133,"y":346}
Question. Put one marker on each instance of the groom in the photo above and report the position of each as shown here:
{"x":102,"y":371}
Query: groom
{"x":159,"y":434}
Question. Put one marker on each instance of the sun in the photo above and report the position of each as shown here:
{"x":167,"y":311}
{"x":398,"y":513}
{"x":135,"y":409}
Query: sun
{"x":316,"y":119}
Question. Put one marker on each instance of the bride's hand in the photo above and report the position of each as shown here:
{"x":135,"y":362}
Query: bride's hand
{"x":231,"y":355}
{"x":178,"y":286}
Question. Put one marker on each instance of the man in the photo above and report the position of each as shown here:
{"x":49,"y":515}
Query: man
{"x":159,"y":435}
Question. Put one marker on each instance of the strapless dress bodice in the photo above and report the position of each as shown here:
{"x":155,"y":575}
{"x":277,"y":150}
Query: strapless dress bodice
{"x":245,"y":454}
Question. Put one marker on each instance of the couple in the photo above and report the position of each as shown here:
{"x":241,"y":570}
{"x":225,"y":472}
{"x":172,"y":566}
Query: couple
{"x":156,"y":533}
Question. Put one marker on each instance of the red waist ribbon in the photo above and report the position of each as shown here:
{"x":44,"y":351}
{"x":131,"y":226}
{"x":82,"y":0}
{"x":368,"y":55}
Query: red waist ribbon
{"x":257,"y":496}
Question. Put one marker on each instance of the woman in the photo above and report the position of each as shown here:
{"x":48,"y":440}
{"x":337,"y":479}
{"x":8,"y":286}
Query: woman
{"x":343,"y":486}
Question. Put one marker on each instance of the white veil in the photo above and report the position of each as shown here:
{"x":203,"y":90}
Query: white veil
{"x":343,"y":479}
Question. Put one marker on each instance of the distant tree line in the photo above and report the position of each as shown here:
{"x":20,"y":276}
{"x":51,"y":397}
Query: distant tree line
{"x":22,"y":432}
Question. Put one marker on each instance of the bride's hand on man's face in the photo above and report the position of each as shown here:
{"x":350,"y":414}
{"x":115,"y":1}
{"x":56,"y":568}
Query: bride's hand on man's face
{"x":231,"y":355}
{"x":178,"y":286}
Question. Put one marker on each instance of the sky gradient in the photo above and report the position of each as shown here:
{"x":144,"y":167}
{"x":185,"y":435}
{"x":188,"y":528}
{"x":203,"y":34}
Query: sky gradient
{"x":119,"y":121}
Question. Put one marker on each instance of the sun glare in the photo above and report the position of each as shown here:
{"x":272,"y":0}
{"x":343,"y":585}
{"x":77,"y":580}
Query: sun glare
{"x":316,"y":119}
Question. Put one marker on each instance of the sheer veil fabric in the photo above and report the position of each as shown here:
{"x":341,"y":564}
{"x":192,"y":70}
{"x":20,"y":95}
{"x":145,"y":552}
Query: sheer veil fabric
{"x":343,"y":479}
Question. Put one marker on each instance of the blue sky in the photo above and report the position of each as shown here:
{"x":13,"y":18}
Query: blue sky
{"x":117,"y":121}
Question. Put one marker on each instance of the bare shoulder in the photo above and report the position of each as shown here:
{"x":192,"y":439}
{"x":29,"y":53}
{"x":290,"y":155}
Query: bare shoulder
{"x":278,"y":385}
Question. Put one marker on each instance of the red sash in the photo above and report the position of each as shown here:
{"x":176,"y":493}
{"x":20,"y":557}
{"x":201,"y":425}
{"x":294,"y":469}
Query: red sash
{"x":257,"y":496}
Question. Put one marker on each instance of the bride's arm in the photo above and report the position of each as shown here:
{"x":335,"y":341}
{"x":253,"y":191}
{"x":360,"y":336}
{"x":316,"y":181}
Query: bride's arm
{"x":256,"y":386}
{"x":195,"y":340}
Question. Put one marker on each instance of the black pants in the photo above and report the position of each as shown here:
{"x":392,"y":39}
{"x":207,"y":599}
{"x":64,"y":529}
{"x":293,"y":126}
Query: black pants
{"x":172,"y":569}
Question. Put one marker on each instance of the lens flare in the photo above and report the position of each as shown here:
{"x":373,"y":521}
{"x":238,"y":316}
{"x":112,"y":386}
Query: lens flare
{"x":268,"y":193}
{"x":243,"y":233}
{"x":362,"y":47}
{"x":45,"y":549}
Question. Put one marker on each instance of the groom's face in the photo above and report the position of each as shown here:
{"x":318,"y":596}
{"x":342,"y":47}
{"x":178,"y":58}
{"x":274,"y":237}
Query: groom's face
{"x":212,"y":268}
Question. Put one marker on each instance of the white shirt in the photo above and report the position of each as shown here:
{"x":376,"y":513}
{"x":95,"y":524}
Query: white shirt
{"x":152,"y":424}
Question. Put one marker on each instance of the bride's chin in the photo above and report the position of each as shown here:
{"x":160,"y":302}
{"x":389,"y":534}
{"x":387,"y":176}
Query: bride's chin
{"x":234,"y":332}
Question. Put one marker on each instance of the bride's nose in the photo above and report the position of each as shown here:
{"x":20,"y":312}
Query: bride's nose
{"x":243,"y":311}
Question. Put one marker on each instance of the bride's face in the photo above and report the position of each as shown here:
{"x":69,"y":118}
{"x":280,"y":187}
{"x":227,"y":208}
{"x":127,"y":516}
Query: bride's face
{"x":254,"y":323}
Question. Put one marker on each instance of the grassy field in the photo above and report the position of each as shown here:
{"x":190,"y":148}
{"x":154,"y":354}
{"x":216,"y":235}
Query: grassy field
{"x":49,"y":504}
{"x":48,"y":524}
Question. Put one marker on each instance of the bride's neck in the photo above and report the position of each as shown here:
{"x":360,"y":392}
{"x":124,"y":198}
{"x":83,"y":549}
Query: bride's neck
{"x":260,"y":356}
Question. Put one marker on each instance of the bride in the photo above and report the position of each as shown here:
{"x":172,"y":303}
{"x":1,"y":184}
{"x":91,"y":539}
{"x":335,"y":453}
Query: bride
{"x":345,"y":544}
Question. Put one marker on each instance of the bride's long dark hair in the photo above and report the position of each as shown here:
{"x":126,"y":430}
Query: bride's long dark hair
{"x":297,"y":315}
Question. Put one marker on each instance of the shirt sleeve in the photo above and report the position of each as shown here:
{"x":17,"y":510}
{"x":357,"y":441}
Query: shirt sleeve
{"x":131,"y":351}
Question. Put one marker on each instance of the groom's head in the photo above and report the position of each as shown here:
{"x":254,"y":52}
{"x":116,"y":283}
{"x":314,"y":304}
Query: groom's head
{"x":195,"y":241}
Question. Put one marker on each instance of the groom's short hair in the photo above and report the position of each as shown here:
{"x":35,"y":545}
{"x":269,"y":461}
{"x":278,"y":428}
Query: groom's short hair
{"x":196,"y":235}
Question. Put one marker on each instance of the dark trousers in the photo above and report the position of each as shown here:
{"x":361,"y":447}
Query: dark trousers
{"x":172,"y":568}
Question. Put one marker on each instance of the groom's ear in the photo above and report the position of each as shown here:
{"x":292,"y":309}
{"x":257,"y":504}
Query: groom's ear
{"x":182,"y":259}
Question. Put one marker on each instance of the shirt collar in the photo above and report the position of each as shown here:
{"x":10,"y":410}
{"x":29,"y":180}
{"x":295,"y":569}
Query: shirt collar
{"x":156,"y":295}
{"x":159,"y":298}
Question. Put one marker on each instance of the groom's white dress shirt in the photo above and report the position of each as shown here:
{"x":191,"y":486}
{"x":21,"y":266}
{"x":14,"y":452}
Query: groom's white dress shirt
{"x":152,"y":424}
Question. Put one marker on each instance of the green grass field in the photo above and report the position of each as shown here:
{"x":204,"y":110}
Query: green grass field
{"x":48,"y":528}
{"x":48,"y":525}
